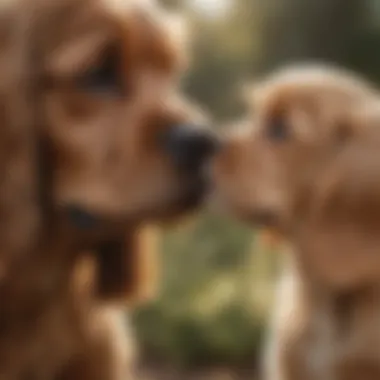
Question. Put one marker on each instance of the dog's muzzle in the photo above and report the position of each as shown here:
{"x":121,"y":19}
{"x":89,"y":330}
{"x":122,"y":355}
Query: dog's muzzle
{"x":189,"y":147}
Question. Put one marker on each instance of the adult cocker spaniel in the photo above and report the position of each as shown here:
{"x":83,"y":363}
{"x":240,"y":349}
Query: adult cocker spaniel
{"x":96,"y":142}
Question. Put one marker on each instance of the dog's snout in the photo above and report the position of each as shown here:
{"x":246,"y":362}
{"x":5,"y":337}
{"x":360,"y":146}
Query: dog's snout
{"x":190,"y":147}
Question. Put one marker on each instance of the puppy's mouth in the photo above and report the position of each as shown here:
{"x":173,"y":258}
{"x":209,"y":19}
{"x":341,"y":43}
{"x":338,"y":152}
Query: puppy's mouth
{"x":255,"y":216}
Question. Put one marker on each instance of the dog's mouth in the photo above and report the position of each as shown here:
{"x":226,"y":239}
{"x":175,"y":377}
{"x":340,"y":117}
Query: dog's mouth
{"x":187,"y":196}
{"x":190,"y":197}
{"x":195,"y":191}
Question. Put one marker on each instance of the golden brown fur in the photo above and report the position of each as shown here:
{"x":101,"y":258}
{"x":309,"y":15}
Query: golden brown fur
{"x":87,"y":92}
{"x":306,"y":163}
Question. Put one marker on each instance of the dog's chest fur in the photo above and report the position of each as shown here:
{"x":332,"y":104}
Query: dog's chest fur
{"x":42,"y":326}
{"x":40,"y":345}
{"x":318,"y":335}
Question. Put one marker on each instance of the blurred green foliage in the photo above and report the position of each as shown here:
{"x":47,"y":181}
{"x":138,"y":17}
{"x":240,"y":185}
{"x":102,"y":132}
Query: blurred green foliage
{"x":210,"y":309}
{"x":217,"y":282}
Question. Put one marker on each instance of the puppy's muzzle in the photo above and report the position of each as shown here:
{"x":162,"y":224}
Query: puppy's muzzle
{"x":189,"y":147}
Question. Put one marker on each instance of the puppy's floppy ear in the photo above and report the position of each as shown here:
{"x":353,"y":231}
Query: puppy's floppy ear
{"x":127,"y":267}
{"x":345,"y":218}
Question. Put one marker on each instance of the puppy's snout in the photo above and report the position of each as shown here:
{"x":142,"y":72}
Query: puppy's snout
{"x":190,"y":147}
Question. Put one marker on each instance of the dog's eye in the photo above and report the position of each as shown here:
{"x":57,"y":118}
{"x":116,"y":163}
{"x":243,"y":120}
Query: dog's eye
{"x":277,"y":130}
{"x":103,"y":78}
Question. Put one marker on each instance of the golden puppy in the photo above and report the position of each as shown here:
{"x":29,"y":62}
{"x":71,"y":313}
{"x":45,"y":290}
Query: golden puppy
{"x":306,"y":163}
{"x":95,"y":143}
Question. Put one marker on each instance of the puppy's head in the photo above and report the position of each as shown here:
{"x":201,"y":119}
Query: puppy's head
{"x":267,"y":170}
{"x":305,"y":161}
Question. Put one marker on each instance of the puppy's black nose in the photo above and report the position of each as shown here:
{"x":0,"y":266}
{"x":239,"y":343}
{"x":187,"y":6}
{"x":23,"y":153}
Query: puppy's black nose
{"x":189,"y":147}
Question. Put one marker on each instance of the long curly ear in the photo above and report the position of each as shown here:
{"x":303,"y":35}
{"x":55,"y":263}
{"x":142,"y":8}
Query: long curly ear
{"x":127,"y":267}
{"x":19,"y":173}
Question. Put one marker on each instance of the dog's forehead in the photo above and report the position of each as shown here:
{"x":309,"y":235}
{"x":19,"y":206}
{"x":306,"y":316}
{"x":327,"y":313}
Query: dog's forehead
{"x":290,"y":86}
{"x":85,"y":11}
{"x":117,"y":7}
{"x":120,"y":9}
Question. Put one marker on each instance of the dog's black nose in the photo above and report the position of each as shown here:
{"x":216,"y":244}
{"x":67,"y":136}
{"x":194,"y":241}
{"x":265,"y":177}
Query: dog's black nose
{"x":189,"y":147}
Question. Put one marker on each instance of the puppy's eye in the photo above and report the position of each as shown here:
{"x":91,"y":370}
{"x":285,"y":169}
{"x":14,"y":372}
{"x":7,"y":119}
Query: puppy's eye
{"x":104,"y":78}
{"x":277,"y":130}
